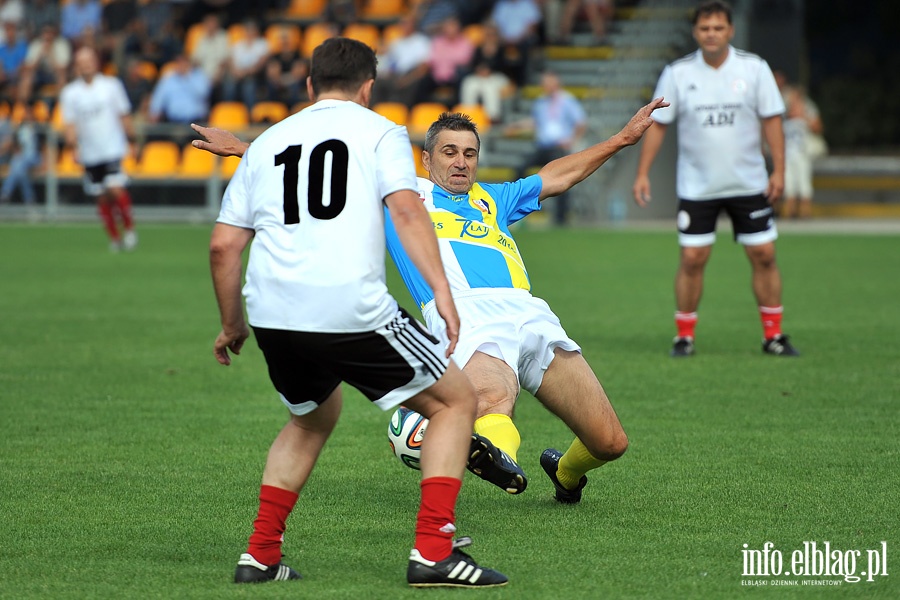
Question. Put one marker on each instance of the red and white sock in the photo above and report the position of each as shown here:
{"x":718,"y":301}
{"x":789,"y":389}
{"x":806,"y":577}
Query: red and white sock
{"x":437,"y":514}
{"x":771,"y":320}
{"x":685,"y":322}
{"x":104,"y":209}
{"x":275,"y":504}
{"x":123,"y":203}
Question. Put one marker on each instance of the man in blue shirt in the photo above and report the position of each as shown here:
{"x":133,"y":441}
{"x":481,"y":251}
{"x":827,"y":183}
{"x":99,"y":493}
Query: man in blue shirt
{"x":509,"y":340}
{"x":181,"y":96}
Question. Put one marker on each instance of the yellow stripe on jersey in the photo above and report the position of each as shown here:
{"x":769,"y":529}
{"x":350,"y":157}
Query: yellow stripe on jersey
{"x":483,"y":233}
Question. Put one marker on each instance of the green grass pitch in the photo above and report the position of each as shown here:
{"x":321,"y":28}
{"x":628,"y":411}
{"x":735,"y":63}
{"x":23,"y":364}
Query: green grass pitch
{"x":130,"y":460}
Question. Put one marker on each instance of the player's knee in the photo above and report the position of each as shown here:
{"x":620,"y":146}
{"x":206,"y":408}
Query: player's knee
{"x":610,"y":447}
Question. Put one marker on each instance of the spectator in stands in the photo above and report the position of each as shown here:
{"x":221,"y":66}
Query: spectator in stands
{"x":285,"y":74}
{"x":79,"y":15}
{"x":12,"y":11}
{"x":39,"y":13}
{"x":46,"y":63}
{"x":404,"y":64}
{"x":116,"y":17}
{"x":487,"y":84}
{"x":159,"y":50}
{"x":12,"y":56}
{"x":24,"y":155}
{"x":246,"y":67}
{"x":138,"y":87}
{"x":558,"y":122}
{"x":518,"y":23}
{"x":157,"y":15}
{"x":599,"y":13}
{"x":451,"y":53}
{"x":212,"y":50}
{"x":431,"y":14}
{"x":343,"y":12}
{"x":182,"y":95}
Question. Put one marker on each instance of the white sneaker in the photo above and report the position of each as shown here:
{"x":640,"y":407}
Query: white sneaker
{"x":130,"y":240}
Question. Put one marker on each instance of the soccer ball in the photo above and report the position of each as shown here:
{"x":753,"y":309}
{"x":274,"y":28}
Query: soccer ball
{"x":405,"y":433}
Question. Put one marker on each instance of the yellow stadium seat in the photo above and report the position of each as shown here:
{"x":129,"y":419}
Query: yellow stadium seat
{"x":147,"y":70}
{"x":314,"y":35}
{"x":192,"y":36}
{"x":66,"y":165}
{"x":159,"y":159}
{"x":56,"y":120}
{"x":40,"y":111}
{"x":417,"y":159}
{"x":305,"y":9}
{"x":366,"y":33}
{"x":477,"y":114}
{"x":475,"y":33}
{"x":391,"y":32}
{"x":229,"y":115}
{"x":236,"y":33}
{"x":395,"y":111}
{"x":228,"y":166}
{"x":423,"y":115}
{"x":130,"y":163}
{"x":276,"y":32}
{"x":384,"y":9}
{"x":268,"y":112}
{"x":4,"y":109}
{"x":196,"y":163}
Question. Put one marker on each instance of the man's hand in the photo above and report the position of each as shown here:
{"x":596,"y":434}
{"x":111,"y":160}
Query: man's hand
{"x":443,"y":302}
{"x":218,"y":141}
{"x":641,"y":121}
{"x":231,"y":340}
{"x":775,"y":188}
{"x":641,"y":190}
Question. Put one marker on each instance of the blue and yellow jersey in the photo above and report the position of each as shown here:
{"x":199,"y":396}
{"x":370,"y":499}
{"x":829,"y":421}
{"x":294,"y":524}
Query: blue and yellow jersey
{"x":476,"y":246}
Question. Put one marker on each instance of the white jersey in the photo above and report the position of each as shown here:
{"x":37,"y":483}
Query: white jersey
{"x":96,"y":110}
{"x":312,"y":187}
{"x":719,"y":112}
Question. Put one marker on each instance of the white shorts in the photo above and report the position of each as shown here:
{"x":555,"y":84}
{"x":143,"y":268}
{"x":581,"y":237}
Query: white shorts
{"x":508,"y":324}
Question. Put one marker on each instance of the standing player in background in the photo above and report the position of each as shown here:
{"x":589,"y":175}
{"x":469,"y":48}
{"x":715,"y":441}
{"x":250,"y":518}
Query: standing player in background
{"x":722,"y":98}
{"x":311,"y":194}
{"x":97,"y":118}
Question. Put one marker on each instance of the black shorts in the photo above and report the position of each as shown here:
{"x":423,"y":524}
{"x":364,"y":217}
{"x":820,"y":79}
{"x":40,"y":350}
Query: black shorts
{"x":97,"y":178}
{"x":388,"y":365}
{"x":752,"y":220}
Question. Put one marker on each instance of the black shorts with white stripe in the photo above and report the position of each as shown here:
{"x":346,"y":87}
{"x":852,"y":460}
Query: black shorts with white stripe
{"x":388,"y":365}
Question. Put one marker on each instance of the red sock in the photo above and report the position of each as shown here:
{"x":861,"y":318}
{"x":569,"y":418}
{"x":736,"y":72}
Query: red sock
{"x":109,"y":222}
{"x":685,"y":322}
{"x":123,"y":202}
{"x":434,"y":523}
{"x":771,"y":320}
{"x":275,"y":504}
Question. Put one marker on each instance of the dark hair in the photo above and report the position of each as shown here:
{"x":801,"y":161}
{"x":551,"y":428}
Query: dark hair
{"x":341,"y":64}
{"x":449,"y":122}
{"x":712,"y":7}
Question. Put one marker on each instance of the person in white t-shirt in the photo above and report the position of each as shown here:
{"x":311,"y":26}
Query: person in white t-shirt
{"x":310,"y":194}
{"x":97,"y":117}
{"x":722,"y":98}
{"x":246,"y":67}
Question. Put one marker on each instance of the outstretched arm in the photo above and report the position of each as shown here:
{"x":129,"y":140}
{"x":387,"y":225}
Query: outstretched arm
{"x":218,"y":141}
{"x":416,"y":233}
{"x":561,"y":174}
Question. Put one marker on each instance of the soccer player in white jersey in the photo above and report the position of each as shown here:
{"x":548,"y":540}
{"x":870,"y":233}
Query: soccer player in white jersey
{"x":722,"y":99}
{"x":509,"y":339}
{"x":311,"y":196}
{"x":97,"y":117}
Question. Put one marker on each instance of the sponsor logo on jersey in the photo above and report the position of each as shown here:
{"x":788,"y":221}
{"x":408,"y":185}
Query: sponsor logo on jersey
{"x":483,"y":206}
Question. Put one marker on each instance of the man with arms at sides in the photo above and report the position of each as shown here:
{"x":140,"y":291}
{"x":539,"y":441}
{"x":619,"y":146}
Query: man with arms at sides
{"x":509,"y":339}
{"x":722,"y":98}
{"x":321,"y":312}
{"x":97,"y":118}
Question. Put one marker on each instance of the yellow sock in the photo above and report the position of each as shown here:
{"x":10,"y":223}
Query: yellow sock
{"x":501,"y":431}
{"x":575,"y":463}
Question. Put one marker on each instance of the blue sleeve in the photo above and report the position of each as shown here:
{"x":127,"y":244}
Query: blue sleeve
{"x":517,"y":199}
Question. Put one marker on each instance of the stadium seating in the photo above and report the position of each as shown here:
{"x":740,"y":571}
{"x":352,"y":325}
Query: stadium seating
{"x":395,"y":111}
{"x":384,"y":10}
{"x":391,"y":32}
{"x":366,"y":33}
{"x":229,"y":115}
{"x":228,"y":166}
{"x":193,"y":34}
{"x":305,"y":9}
{"x":423,"y":115}
{"x":236,"y":33}
{"x":475,"y":33}
{"x":275,"y":31}
{"x":40,"y":111}
{"x":66,"y":165}
{"x":314,"y":35}
{"x":268,"y":112}
{"x":477,"y":114}
{"x":158,"y":159}
{"x":147,"y":70}
{"x":196,"y":163}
